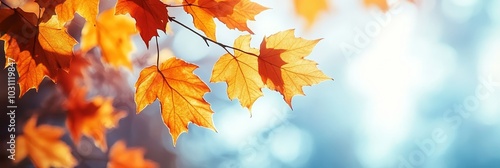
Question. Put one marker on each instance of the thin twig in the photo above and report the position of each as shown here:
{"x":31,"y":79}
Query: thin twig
{"x":183,"y":5}
{"x":206,"y":39}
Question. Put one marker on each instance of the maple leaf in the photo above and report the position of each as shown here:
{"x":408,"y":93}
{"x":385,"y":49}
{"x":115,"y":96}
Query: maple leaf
{"x":39,"y":51}
{"x":282,"y":65}
{"x":121,"y":157}
{"x":91,"y":118}
{"x":112,"y":33}
{"x":310,"y":10}
{"x":240,"y":72}
{"x":233,"y":13}
{"x":69,"y":80}
{"x":382,"y":4}
{"x":180,"y":93}
{"x":88,"y":9}
{"x":43,"y":145}
{"x":150,"y":16}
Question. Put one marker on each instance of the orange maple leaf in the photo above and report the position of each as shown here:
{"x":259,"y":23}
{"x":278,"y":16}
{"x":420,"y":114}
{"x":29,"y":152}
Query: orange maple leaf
{"x":180,"y":93}
{"x":43,"y":145}
{"x":39,"y":51}
{"x":282,"y":65}
{"x":88,"y":9}
{"x":150,"y":16}
{"x":112,"y":33}
{"x":91,"y":118}
{"x":240,"y":72}
{"x":310,"y":10}
{"x":382,"y":4}
{"x":121,"y":157}
{"x":233,"y":13}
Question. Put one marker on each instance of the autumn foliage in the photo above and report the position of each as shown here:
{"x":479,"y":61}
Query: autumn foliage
{"x":38,"y":40}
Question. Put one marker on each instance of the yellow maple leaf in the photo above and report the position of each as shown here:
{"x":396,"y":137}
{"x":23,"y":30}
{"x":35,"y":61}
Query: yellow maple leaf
{"x":240,"y":72}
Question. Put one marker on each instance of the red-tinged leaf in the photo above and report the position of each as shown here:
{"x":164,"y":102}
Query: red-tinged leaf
{"x":38,"y":51}
{"x":91,"y":118}
{"x":282,"y":65}
{"x":150,"y":16}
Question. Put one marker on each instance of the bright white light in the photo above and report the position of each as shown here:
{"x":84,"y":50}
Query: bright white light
{"x":387,"y":75}
{"x":488,"y":66}
{"x":290,"y":145}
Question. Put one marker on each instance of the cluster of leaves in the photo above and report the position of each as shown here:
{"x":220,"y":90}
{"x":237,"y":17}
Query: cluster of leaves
{"x":37,"y":39}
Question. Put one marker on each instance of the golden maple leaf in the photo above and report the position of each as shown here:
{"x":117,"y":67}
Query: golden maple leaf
{"x":240,"y":72}
{"x":180,"y":93}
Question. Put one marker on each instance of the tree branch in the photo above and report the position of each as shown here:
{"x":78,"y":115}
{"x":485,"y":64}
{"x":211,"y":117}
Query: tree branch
{"x":206,"y":39}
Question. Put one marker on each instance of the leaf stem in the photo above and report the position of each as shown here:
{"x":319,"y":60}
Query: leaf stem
{"x":157,"y":54}
{"x":206,"y":39}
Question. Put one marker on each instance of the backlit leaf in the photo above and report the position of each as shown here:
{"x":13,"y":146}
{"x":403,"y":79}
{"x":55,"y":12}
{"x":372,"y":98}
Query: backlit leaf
{"x":38,"y":51}
{"x":180,"y":93}
{"x":240,"y":72}
{"x":282,"y":65}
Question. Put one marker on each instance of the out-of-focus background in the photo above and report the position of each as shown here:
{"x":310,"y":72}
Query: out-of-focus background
{"x":416,"y":86}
